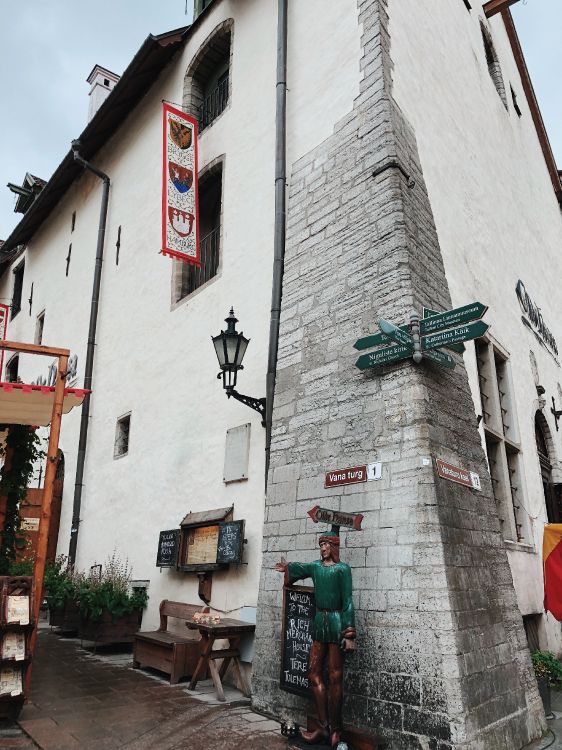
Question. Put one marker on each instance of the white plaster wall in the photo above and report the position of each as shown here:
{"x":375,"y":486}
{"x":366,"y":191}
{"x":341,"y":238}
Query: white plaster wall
{"x":495,"y":211}
{"x":153,"y":358}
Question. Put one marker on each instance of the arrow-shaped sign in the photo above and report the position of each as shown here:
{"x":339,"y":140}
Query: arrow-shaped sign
{"x":463,"y":333}
{"x":396,"y":334}
{"x":383,"y":356}
{"x":338,"y":518}
{"x":441,"y":358}
{"x":367,"y":342}
{"x":451,"y":318}
{"x":428,"y":313}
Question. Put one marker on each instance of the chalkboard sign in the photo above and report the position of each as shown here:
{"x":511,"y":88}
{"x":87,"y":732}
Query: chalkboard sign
{"x":299,"y":608}
{"x":231,"y":542}
{"x":167,"y":549}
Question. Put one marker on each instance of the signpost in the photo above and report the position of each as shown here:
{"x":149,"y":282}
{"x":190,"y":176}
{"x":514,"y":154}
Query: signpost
{"x":336,"y":517}
{"x":421,"y":338}
{"x":451,"y":318}
{"x":464,"y":333}
{"x":383,"y":356}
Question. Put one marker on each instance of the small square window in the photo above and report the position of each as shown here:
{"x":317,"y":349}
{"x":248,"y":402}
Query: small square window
{"x":106,"y":81}
{"x":121,"y":447}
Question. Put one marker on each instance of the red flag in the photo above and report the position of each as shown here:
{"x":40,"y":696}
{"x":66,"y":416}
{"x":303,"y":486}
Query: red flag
{"x":552,"y":564}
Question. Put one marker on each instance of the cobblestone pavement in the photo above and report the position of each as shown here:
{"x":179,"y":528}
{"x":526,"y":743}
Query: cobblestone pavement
{"x":78,"y":701}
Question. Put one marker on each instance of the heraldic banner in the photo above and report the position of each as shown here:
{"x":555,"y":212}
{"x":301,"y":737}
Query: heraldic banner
{"x":180,"y":225}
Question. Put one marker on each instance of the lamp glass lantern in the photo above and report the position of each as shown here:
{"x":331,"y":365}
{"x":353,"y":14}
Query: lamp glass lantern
{"x":230,"y":347}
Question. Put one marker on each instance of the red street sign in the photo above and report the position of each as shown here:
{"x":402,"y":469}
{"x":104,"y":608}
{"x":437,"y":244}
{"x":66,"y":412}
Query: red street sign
{"x":336,"y":517}
{"x":454,"y":473}
{"x":353,"y":475}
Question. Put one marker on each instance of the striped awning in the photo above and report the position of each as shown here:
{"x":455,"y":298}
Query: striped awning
{"x":21,"y":403}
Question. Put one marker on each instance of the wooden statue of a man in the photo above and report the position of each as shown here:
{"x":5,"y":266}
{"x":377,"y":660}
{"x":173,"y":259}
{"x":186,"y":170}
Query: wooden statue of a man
{"x":333,"y":632}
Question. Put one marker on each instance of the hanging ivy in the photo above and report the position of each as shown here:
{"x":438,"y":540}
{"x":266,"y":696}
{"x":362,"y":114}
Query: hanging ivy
{"x":14,"y":480}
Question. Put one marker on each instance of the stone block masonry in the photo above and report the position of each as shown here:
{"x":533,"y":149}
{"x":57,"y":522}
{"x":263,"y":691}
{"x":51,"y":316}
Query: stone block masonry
{"x":442,"y":660}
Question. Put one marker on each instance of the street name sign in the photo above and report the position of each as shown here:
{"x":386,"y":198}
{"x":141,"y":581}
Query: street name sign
{"x":383,"y":356}
{"x":396,"y":333}
{"x":441,"y":358}
{"x":450,"y":318}
{"x":463,"y":333}
{"x":458,"y":475}
{"x":352,"y":475}
{"x":336,"y":517}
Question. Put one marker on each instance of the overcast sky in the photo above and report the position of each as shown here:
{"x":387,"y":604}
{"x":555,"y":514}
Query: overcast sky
{"x":47,"y":50}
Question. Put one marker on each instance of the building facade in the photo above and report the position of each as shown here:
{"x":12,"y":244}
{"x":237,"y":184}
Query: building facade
{"x":417,"y":176}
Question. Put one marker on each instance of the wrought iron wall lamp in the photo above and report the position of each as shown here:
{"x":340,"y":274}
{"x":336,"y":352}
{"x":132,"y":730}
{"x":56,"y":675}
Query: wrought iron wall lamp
{"x":230,"y":347}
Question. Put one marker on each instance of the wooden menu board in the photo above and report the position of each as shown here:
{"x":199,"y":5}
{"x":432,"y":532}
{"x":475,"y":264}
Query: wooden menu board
{"x":299,"y":608}
{"x":167,"y":554}
{"x":202,"y":545}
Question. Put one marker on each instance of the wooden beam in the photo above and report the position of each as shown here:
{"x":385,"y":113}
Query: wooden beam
{"x":47,"y":351}
{"x":45,"y":520}
{"x":496,"y":6}
{"x":532,"y":102}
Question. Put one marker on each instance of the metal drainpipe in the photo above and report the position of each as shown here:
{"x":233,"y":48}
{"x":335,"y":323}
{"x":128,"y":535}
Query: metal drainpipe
{"x":85,"y":418}
{"x":279,"y":227}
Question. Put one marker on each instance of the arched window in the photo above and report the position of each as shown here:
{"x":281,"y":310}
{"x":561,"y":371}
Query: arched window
{"x":543,"y":440}
{"x":207,"y":85}
{"x":12,"y":369}
{"x":494,"y":67}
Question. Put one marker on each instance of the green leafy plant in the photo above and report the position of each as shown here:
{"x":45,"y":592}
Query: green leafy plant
{"x":110,"y":592}
{"x":21,"y":451}
{"x":547,"y":667}
{"x":22,"y":568}
{"x":60,"y":583}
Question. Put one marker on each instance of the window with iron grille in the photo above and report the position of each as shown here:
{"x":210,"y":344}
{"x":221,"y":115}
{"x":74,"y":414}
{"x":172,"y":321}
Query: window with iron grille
{"x":18,"y":289}
{"x":494,"y":67}
{"x":122,"y":430}
{"x":210,"y":200}
{"x":502,"y":440}
{"x":12,"y":369}
{"x":207,"y":80}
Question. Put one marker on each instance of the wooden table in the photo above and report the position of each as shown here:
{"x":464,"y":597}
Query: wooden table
{"x":230,"y":630}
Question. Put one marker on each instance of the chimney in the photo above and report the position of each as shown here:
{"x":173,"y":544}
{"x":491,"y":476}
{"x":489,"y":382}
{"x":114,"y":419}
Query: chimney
{"x":102,"y":82}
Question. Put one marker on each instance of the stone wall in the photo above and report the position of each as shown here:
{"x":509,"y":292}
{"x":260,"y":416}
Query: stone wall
{"x":442,"y":660}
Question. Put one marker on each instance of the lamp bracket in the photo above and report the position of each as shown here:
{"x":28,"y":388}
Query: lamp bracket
{"x":257,"y":404}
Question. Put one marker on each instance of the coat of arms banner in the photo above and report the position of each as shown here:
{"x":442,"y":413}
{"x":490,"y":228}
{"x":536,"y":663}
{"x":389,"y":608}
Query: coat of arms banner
{"x":180,"y":226}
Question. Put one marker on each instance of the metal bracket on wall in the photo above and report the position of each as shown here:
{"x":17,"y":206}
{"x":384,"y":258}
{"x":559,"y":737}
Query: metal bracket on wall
{"x":395,"y":164}
{"x":557,"y":413}
{"x":257,"y":404}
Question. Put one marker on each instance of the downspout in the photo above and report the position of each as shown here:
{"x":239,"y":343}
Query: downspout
{"x":85,"y":418}
{"x":279,"y":226}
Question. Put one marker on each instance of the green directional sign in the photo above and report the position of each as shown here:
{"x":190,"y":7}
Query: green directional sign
{"x":376,"y":339}
{"x":396,"y":334}
{"x":383,"y":356}
{"x":441,"y":358}
{"x":450,"y":318}
{"x":462,"y":333}
{"x":428,"y":313}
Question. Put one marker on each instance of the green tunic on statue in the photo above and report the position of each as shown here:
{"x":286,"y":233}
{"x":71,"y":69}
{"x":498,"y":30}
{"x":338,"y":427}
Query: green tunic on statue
{"x":332,"y":589}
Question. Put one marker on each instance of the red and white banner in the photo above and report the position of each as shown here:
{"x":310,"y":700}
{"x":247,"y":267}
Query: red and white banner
{"x":180,"y":207}
{"x":4,"y":312}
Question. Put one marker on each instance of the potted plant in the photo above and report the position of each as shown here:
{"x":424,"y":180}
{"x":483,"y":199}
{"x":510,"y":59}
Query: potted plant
{"x":61,"y":585}
{"x":548,"y":671}
{"x":110,"y":611}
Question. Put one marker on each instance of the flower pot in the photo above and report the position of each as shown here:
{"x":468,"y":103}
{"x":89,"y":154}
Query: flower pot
{"x":110,"y":630}
{"x":544,"y":692}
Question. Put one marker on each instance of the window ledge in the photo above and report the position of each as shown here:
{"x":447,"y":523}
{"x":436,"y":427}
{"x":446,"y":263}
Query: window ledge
{"x":519,"y":547}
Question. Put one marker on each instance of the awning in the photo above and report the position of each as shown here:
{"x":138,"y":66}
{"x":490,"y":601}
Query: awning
{"x":21,"y":403}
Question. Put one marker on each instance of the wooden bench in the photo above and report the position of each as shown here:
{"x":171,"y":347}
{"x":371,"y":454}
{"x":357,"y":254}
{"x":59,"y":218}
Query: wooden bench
{"x":162,"y":649}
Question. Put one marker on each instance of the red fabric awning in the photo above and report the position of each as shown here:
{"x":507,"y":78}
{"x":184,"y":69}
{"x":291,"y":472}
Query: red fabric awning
{"x":21,"y":403}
